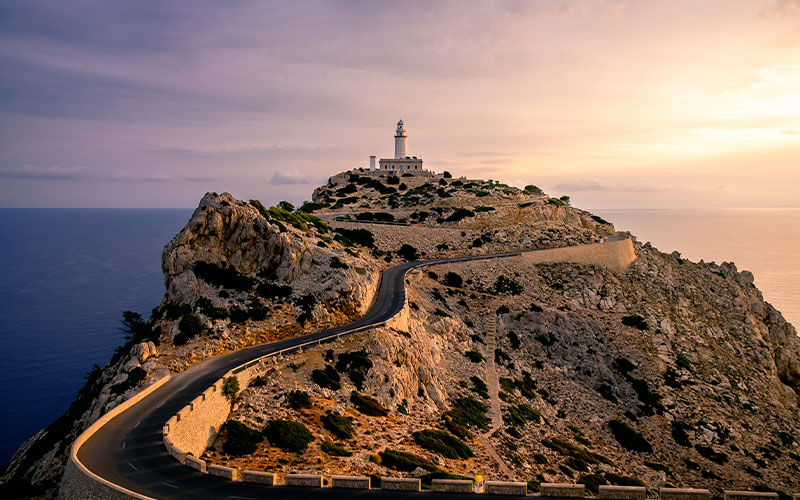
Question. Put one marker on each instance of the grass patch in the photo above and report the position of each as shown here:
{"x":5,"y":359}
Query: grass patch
{"x":335,"y":450}
{"x":629,"y":438}
{"x":405,"y":461}
{"x":368,"y":405}
{"x":442,"y":443}
{"x":519,"y":415}
{"x":466,"y":412}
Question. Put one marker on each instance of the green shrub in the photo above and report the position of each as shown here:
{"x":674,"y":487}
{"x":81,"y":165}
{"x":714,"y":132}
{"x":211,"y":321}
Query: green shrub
{"x":230,"y":388}
{"x":513,"y":338}
{"x":680,"y":434}
{"x":683,"y":362}
{"x":367,"y":405}
{"x":501,"y":356}
{"x":453,"y":280}
{"x":570,"y":450}
{"x":555,"y":202}
{"x":225,"y":277}
{"x":442,"y":443}
{"x":288,"y":435}
{"x":460,"y":214}
{"x":479,"y":387}
{"x":242,"y":440}
{"x":135,"y":329}
{"x":521,"y":414}
{"x":328,"y":378}
{"x":404,"y":461}
{"x":298,"y":399}
{"x":190,"y":325}
{"x":709,"y":453}
{"x":335,"y":450}
{"x":629,"y":438}
{"x":339,"y":425}
{"x":465,"y":413}
{"x":271,"y":291}
{"x":309,"y":207}
{"x":635,"y":321}
{"x":447,"y":175}
{"x":620,"y":480}
{"x":356,"y":365}
{"x":474,"y":356}
{"x":358,"y":236}
{"x":599,"y":219}
{"x":532,"y":189}
{"x":508,"y":286}
{"x":135,"y":377}
{"x":592,"y":482}
{"x":408,"y":252}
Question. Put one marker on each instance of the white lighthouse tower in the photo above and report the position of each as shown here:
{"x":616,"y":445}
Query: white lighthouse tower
{"x":400,"y":141}
{"x":401,"y":161}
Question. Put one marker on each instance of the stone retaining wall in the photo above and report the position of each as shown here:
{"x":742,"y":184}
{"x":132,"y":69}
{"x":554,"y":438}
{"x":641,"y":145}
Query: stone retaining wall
{"x":684,"y":494}
{"x":505,"y":488}
{"x":616,"y":255}
{"x":400,"y":484}
{"x":562,"y":490}
{"x":452,"y":486}
{"x":623,"y":492}
{"x":78,"y":482}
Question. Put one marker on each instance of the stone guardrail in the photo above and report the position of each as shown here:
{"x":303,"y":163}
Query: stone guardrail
{"x":96,"y":487}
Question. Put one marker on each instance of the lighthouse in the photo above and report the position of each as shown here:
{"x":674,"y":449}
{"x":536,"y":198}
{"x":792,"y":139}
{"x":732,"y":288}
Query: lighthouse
{"x":400,"y":141}
{"x":401,"y":161}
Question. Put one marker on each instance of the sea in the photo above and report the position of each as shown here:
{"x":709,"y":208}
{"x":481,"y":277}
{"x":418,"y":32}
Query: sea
{"x":66,"y":275}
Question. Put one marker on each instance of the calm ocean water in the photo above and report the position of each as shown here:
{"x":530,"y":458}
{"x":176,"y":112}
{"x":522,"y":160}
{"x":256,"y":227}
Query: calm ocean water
{"x":65,"y":278}
{"x":67,"y":275}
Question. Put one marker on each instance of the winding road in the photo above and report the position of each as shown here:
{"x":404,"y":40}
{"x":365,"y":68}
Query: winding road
{"x":128,"y":450}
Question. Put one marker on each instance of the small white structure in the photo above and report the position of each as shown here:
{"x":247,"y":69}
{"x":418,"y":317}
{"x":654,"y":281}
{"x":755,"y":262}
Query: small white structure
{"x":371,"y":163}
{"x":401,"y":160}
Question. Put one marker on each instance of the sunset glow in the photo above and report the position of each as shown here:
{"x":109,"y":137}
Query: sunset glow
{"x":616,"y":103}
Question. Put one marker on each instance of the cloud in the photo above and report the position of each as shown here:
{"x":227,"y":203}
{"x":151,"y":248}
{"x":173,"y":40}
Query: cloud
{"x":51,"y":172}
{"x":583,"y":185}
{"x":782,"y":8}
{"x":293,"y":176}
{"x":790,"y":132}
{"x":56,"y":172}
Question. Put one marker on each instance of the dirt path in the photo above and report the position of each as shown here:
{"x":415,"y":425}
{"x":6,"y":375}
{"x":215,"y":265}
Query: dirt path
{"x":494,"y":394}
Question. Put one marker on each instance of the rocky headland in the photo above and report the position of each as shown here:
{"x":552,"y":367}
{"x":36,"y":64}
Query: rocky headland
{"x":668,"y":373}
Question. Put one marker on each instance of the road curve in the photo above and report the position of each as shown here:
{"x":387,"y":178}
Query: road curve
{"x":129,"y":452}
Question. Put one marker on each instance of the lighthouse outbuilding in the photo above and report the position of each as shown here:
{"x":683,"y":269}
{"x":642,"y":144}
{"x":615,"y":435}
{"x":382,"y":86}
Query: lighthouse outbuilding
{"x":401,"y":160}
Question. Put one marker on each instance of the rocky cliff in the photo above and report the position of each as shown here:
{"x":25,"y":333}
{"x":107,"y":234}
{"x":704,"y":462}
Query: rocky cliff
{"x":671,"y":372}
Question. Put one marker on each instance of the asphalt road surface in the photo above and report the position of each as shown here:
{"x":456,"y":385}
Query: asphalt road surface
{"x":129,"y":451}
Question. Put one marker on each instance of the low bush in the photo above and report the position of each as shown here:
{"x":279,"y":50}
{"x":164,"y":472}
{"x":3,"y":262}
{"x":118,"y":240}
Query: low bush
{"x":356,"y":365}
{"x":230,"y":388}
{"x":521,"y":414}
{"x":288,"y":435}
{"x":709,"y":453}
{"x":225,"y":277}
{"x":405,"y":461}
{"x":501,"y":356}
{"x":135,"y":377}
{"x":358,"y":236}
{"x":453,"y":279}
{"x":190,"y":325}
{"x":504,"y":285}
{"x":367,"y":405}
{"x":629,"y":438}
{"x":460,"y":214}
{"x":298,"y":399}
{"x":242,"y":440}
{"x":327,"y":378}
{"x":513,"y":338}
{"x":479,"y":387}
{"x":571,"y":450}
{"x":532,"y":189}
{"x":408,"y":252}
{"x":474,"y":356}
{"x":442,"y":443}
{"x":592,"y":482}
{"x":635,"y":321}
{"x":335,"y":450}
{"x":339,"y":425}
{"x":336,"y":263}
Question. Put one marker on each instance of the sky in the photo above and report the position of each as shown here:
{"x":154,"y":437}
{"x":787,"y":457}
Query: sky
{"x":618,"y":104}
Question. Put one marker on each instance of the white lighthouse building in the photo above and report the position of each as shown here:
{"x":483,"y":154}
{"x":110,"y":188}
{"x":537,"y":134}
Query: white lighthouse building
{"x":401,"y":160}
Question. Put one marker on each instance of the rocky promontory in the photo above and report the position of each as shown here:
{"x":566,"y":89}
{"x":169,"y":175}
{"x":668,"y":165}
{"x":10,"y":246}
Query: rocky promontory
{"x":670,"y":372}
